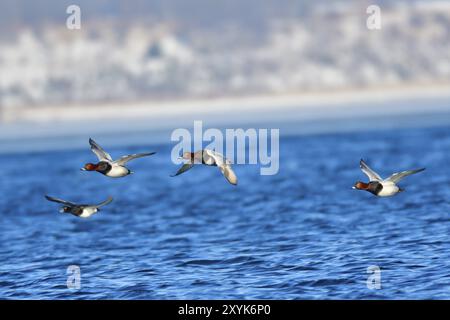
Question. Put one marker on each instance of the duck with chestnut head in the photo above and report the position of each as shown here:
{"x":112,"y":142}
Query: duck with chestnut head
{"x":108,"y":166}
{"x":382,"y":187}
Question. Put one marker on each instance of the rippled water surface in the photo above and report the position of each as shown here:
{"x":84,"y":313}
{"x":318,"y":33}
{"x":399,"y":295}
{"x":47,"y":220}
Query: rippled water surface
{"x":301,"y":234}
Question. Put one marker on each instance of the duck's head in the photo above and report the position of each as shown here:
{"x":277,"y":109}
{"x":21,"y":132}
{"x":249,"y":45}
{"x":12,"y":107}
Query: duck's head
{"x":361,"y":186}
{"x":64,"y":209}
{"x":89,"y":167}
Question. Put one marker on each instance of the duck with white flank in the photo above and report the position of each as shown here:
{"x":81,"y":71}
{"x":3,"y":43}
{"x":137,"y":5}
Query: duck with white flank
{"x":109,"y":167}
{"x":382,"y":187}
{"x":209,"y":158}
{"x":79,"y":210}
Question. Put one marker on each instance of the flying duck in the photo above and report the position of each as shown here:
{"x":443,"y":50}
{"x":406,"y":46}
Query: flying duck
{"x":79,"y":210}
{"x":209,"y":158}
{"x":382,"y":187}
{"x":109,"y":167}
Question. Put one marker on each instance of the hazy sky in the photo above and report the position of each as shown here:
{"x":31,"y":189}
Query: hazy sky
{"x":197,"y":13}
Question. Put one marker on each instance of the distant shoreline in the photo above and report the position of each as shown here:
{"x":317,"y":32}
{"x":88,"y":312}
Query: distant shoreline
{"x":210,"y":106}
{"x":45,"y":128}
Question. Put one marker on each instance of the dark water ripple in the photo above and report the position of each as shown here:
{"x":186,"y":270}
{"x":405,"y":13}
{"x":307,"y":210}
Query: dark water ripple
{"x":302,"y":234}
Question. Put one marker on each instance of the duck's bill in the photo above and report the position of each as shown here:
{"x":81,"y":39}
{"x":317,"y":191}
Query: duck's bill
{"x":61,"y":210}
{"x":353,"y":187}
{"x":82,"y":169}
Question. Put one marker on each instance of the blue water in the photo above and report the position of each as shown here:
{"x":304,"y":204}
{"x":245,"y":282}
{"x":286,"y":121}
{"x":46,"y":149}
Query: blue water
{"x":301,"y":234}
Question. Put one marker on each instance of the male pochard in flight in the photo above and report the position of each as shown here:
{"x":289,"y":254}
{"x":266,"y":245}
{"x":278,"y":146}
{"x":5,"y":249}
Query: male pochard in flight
{"x":109,"y":167}
{"x":382,"y":187}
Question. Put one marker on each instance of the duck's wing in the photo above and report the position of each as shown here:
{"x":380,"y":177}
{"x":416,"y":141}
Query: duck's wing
{"x":396,"y":177}
{"x":206,"y":156}
{"x":123,"y":160}
{"x":101,"y":154}
{"x":228,"y":173}
{"x":224,"y":165}
{"x":373,"y":176}
{"x":185,"y":167}
{"x":104,"y":203}
{"x":64,"y":202}
{"x":218,"y":158}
